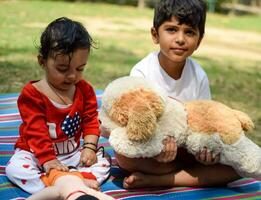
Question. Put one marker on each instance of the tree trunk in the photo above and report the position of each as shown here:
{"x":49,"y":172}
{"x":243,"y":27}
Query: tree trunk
{"x":141,"y":3}
{"x":233,"y":10}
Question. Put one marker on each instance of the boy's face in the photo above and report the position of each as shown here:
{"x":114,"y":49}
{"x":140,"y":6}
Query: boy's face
{"x":177,"y":41}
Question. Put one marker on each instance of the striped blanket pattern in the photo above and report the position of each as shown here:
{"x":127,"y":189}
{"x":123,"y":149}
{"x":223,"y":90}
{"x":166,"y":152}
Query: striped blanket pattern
{"x":10,"y":121}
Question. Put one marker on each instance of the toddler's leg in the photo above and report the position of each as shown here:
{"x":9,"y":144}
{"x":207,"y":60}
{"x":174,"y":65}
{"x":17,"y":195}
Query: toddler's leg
{"x":23,"y":171}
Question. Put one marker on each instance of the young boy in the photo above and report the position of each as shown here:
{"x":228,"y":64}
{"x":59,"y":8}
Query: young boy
{"x":178,"y":28}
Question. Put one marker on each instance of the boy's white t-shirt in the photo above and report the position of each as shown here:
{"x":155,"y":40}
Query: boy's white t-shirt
{"x":193,"y":83}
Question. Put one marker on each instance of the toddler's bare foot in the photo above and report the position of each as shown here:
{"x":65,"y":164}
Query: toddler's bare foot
{"x":137,"y":180}
{"x":92,"y":184}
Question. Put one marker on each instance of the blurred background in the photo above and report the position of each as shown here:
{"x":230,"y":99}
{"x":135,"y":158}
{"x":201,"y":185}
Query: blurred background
{"x":230,"y":52}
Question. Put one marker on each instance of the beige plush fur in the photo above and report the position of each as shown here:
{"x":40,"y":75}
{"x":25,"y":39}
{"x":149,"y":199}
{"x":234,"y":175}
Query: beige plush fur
{"x":138,"y":110}
{"x":208,"y":117}
{"x":140,"y":116}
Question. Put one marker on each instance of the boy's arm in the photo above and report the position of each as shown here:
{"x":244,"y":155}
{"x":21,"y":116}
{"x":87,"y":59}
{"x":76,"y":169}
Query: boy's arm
{"x":169,"y":152}
{"x":205,"y":157}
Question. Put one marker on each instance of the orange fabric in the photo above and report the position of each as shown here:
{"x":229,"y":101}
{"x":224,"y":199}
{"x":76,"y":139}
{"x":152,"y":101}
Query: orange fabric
{"x":50,"y":179}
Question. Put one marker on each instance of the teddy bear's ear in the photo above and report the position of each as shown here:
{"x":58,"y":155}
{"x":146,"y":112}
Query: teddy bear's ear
{"x":142,"y":123}
{"x":119,"y":111}
{"x":154,"y":101}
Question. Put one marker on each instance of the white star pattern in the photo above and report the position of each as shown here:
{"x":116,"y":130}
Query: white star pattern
{"x":70,"y":125}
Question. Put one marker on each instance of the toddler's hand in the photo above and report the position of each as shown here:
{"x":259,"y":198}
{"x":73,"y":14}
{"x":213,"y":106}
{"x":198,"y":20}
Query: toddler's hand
{"x":54,"y":164}
{"x":88,"y":157}
{"x":169,"y":151}
{"x":205,"y":157}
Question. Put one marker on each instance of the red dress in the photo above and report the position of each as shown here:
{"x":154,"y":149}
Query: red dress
{"x":48,"y":131}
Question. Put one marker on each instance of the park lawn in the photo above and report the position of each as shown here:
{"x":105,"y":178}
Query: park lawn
{"x":122,"y":36}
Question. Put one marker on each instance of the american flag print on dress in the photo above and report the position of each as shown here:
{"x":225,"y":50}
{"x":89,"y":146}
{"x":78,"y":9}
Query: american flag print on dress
{"x":70,"y":125}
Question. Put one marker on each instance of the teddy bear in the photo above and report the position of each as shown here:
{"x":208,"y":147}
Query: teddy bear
{"x":139,"y":116}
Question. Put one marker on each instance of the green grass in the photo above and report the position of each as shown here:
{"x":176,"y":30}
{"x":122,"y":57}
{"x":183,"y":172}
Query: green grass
{"x":122,"y":34}
{"x":22,"y":23}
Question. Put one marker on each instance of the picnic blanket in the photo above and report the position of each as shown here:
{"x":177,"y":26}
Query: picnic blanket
{"x":10,"y":120}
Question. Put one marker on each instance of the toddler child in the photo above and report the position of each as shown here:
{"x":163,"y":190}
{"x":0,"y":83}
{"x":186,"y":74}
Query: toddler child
{"x":56,"y":112}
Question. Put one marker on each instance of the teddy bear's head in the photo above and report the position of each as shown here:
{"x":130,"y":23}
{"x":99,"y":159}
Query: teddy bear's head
{"x":138,"y":116}
{"x":138,"y":111}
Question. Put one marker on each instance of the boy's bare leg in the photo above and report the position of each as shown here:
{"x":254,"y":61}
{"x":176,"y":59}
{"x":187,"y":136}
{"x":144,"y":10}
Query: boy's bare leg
{"x":146,"y":165}
{"x":197,"y":175}
{"x":147,"y":172}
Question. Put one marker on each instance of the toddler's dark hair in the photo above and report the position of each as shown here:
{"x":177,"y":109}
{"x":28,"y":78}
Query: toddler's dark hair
{"x":190,"y":12}
{"x":64,"y":35}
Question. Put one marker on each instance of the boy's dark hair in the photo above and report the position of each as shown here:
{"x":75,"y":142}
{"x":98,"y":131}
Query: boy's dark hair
{"x":64,"y":35}
{"x":190,"y":12}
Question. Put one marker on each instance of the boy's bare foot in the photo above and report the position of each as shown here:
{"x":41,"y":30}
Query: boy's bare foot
{"x":92,"y":184}
{"x":137,"y":180}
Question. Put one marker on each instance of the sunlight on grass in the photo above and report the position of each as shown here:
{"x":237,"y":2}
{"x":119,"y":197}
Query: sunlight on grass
{"x":244,"y":22}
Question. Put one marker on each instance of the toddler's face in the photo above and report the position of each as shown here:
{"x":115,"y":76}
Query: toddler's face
{"x":177,"y":41}
{"x":62,"y":72}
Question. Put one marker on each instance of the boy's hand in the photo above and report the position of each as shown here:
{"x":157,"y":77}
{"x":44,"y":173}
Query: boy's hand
{"x":206,"y":158}
{"x":54,"y":164}
{"x":88,"y":157}
{"x":169,"y":151}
